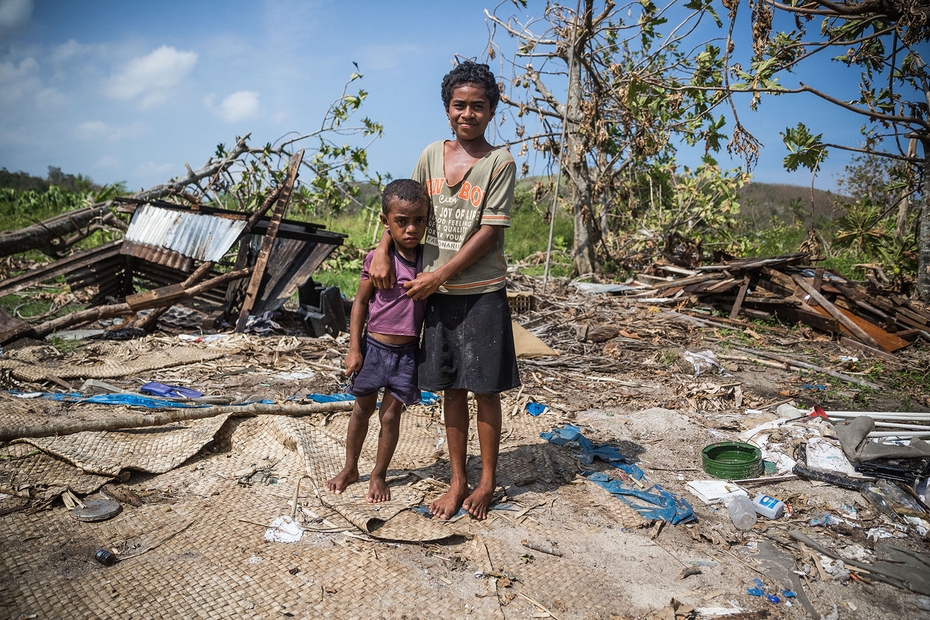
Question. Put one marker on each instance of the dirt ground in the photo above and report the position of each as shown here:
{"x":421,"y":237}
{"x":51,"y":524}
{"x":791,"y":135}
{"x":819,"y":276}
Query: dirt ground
{"x":202,"y":532}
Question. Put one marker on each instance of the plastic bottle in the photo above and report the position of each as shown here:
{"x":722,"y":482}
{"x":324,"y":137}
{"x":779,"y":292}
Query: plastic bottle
{"x":742,"y":512}
{"x":768,"y":506}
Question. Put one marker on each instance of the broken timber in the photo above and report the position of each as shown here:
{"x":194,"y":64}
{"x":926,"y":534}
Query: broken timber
{"x":787,"y":288}
{"x":268,"y":242}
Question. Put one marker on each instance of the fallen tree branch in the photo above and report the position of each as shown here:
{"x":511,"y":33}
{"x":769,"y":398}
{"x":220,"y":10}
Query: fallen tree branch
{"x":123,"y":309}
{"x":58,"y":427}
{"x":805,"y":365}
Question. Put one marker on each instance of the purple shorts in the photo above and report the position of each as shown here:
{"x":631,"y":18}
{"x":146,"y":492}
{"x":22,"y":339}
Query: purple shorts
{"x":389,"y":366}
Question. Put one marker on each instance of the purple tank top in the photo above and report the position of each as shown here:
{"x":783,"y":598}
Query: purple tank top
{"x":390,"y":311}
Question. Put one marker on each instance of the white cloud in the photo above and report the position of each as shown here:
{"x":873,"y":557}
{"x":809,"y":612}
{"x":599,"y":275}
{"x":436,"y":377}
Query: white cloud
{"x":67,"y":50}
{"x":150,"y":79}
{"x":239,"y":106}
{"x":14,"y":13}
{"x":101,"y":131}
{"x":49,"y":98}
{"x":17,"y":80}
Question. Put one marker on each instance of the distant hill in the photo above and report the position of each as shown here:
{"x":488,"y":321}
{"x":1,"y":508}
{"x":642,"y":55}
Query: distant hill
{"x":760,"y":202}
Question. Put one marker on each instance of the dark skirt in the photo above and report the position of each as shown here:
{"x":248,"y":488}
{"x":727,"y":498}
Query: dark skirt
{"x":468,"y":344}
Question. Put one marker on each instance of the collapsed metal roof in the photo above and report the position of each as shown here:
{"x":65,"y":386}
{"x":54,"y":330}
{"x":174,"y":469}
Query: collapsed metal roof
{"x":196,"y":235}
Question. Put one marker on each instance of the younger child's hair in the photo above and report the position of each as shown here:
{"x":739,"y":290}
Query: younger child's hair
{"x":405,"y":190}
{"x":470,"y":72}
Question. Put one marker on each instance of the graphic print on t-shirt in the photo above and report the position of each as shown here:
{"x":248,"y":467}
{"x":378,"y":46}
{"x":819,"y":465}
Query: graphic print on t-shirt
{"x":456,"y":212}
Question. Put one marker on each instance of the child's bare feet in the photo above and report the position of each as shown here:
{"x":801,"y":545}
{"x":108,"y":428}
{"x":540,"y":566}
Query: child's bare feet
{"x":478,"y":503}
{"x":378,"y":490}
{"x":448,"y":505}
{"x":341,"y":480}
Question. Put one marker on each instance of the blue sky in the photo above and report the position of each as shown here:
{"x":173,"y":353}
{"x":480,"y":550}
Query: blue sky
{"x":132,"y":91}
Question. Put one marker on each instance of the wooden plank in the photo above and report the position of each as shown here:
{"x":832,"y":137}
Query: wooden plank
{"x":818,"y":279}
{"x":885,"y":341}
{"x":904,"y":319}
{"x":685,"y":281}
{"x":156,"y":298}
{"x":914,"y":316}
{"x":251,"y":291}
{"x":853,"y":343}
{"x":740,"y":297}
{"x":837,"y":314}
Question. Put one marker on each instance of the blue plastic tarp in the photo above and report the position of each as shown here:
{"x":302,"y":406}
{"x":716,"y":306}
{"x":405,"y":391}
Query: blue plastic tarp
{"x":570,"y":435}
{"x":122,"y":399}
{"x":657,"y":503}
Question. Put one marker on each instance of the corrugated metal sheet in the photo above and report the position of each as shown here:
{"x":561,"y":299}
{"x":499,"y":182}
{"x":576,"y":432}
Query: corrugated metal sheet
{"x":161,"y":256}
{"x":195,"y":235}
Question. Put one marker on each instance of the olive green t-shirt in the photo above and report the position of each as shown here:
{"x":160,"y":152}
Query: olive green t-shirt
{"x":483,"y":197}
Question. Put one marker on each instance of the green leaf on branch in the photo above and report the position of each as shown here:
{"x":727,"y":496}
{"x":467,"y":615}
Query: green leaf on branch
{"x":804,"y":149}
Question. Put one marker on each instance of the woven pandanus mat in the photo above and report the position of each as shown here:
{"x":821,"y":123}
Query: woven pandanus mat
{"x":322,"y":450}
{"x":27,"y":472}
{"x":111,"y":366}
{"x":196,"y":549}
{"x":154,"y":450}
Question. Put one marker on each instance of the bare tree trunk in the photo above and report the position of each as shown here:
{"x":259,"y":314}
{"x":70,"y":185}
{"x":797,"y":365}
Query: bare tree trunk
{"x":900,"y":228}
{"x":45,"y":236}
{"x":586,"y":232}
{"x":923,"y":247}
{"x":573,"y":159}
{"x":59,"y":426}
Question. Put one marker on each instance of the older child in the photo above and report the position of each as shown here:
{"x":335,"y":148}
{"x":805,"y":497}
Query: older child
{"x":468,"y":339}
{"x":383,"y":354}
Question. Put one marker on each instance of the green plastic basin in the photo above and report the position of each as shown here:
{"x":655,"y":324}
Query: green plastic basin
{"x":732,"y":460}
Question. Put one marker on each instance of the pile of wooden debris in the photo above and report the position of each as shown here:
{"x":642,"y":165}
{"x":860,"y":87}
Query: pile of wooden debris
{"x":789,"y":288}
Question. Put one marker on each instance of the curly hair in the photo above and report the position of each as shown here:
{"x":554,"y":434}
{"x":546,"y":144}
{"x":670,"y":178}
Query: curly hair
{"x":470,"y":72}
{"x":403,"y":190}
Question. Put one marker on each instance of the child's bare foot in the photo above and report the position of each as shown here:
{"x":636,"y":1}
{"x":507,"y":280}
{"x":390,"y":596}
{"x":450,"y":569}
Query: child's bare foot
{"x":341,"y":480}
{"x":448,"y":505}
{"x":378,"y":490}
{"x":478,"y":503}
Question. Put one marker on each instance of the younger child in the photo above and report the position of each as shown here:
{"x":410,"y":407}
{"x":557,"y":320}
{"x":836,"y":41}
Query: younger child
{"x":383,"y":354}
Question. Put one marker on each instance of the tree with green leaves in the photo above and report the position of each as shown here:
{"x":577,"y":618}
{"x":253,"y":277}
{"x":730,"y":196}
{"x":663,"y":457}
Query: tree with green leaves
{"x":605,"y":93}
{"x":878,"y":44}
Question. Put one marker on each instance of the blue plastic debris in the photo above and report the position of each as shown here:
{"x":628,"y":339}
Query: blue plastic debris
{"x":330,"y":398}
{"x":755,"y":592}
{"x":428,"y":398}
{"x":789,"y":594}
{"x":535,"y":409}
{"x":122,"y":399}
{"x":659,"y":503}
{"x":570,"y":435}
{"x":824,"y":519}
{"x":169,"y":391}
